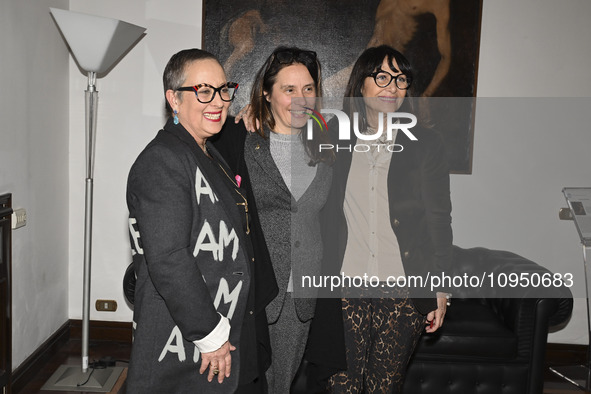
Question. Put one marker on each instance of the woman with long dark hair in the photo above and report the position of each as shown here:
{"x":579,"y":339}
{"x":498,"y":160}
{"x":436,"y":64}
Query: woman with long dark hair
{"x":290,"y":178}
{"x":391,"y":218}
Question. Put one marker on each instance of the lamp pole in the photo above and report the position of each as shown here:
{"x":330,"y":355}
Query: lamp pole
{"x":91,"y":99}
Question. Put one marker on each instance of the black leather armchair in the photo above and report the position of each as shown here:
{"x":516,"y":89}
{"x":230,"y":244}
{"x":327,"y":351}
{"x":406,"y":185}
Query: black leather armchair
{"x":495,"y":343}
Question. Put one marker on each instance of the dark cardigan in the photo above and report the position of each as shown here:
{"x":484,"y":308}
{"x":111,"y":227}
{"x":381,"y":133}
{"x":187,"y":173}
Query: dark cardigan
{"x":420,"y":209}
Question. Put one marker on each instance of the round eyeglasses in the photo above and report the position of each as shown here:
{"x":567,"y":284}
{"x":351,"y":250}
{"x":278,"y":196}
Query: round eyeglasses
{"x":384,"y":78}
{"x":205,"y":92}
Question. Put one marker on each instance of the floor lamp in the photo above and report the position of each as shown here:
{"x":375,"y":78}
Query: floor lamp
{"x":96,"y":43}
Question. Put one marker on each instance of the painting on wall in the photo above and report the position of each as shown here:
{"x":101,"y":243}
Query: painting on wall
{"x":440,"y":39}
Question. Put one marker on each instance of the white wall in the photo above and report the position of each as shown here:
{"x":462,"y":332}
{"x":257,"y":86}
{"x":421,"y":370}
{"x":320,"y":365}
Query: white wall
{"x":518,"y":170}
{"x":34,"y":166}
{"x":529,"y":149}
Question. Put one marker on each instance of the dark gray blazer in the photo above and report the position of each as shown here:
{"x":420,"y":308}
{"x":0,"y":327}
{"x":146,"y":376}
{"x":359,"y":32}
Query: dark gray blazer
{"x":291,"y":228}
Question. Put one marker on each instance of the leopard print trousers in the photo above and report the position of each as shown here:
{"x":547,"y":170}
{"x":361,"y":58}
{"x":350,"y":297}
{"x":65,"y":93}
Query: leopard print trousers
{"x":380,"y":337}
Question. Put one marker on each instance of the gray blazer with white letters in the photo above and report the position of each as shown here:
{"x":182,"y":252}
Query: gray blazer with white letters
{"x":190,"y":254}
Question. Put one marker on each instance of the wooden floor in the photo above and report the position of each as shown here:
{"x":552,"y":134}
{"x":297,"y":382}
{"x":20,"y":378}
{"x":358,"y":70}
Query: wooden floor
{"x":69,"y":354}
{"x":554,"y":384}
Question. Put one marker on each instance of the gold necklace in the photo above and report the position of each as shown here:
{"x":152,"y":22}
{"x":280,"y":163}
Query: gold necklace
{"x":244,"y":204}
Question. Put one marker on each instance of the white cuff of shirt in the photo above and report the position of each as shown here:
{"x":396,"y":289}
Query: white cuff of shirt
{"x":216,"y":338}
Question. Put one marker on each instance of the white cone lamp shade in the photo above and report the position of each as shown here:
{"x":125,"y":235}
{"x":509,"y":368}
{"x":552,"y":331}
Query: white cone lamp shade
{"x":96,"y":42}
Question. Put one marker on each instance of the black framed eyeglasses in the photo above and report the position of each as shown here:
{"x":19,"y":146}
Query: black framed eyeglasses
{"x":288,"y":56}
{"x":205,"y":92}
{"x":384,"y":78}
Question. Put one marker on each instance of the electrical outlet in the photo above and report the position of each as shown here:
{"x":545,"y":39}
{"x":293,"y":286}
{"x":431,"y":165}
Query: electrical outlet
{"x":106,"y":305}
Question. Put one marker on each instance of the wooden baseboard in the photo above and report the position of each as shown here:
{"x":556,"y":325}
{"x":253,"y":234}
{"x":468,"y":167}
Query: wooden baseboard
{"x":103,"y":331}
{"x":72,"y":329}
{"x":566,"y":354}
